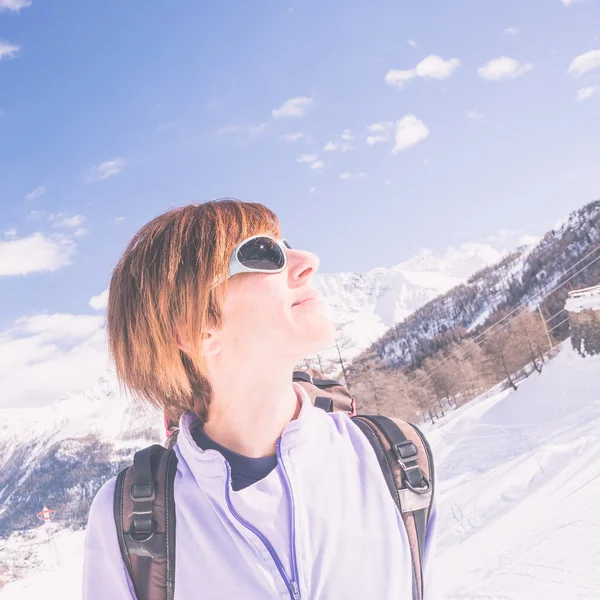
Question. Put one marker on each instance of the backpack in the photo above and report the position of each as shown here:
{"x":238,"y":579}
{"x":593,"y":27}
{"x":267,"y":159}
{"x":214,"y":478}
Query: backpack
{"x":144,"y":503}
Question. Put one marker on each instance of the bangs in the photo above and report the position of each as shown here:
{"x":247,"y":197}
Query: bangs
{"x":236,"y":221}
{"x":248,"y":220}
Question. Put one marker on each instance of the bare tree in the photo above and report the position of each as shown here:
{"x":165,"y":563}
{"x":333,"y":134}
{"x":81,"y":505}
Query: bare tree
{"x":424,"y":395}
{"x":501,"y":362}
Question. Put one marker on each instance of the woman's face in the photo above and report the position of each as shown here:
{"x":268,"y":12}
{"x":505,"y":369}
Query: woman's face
{"x":275,"y":314}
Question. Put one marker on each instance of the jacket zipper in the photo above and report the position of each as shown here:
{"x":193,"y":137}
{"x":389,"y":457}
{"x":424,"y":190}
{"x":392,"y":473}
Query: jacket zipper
{"x":292,"y":586}
{"x":288,"y":485}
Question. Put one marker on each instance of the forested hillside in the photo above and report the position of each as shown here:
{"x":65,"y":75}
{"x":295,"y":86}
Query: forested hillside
{"x":498,"y":326}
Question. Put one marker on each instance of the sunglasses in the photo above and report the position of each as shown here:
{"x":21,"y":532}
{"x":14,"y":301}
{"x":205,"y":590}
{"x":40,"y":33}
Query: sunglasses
{"x":259,"y":254}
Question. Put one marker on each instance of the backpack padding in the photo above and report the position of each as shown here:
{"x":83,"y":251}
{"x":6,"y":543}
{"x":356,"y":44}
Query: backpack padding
{"x":145,"y":518}
{"x":397,"y":444}
{"x":315,"y":386}
{"x":382,"y":458}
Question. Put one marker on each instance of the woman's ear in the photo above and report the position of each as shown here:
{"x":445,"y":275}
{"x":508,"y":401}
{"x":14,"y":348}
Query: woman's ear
{"x":211,"y":344}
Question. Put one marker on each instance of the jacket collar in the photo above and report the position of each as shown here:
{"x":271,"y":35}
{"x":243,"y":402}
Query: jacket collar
{"x":210,"y":463}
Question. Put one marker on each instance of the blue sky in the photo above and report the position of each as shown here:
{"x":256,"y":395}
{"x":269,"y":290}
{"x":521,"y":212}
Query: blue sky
{"x":444,"y":123}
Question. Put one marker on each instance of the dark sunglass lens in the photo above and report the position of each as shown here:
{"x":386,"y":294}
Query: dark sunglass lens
{"x":261,"y":253}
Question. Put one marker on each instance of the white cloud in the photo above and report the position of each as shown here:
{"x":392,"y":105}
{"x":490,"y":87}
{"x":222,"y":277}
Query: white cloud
{"x":475,"y":115}
{"x":435,"y":67}
{"x":348,"y":135}
{"x":432,"y":67}
{"x":35,"y":253}
{"x":307,"y":158}
{"x":99,"y":302}
{"x":362,"y":175}
{"x":43,"y":357}
{"x":60,"y":327}
{"x":398,"y":78}
{"x":587,"y":92}
{"x":512,"y":31}
{"x":312,"y":160}
{"x":61,"y":221}
{"x":387,"y":182}
{"x":118,"y":220}
{"x":10,"y":233}
{"x":381,"y":132}
{"x":292,"y":137}
{"x":244,"y":129}
{"x":80,"y":233}
{"x":584,"y":63}
{"x":409,"y":131}
{"x":503,"y":68}
{"x":107,"y":169}
{"x":293,"y":108}
{"x":412,"y":43}
{"x":345,"y":175}
{"x":8,"y":50}
{"x":39,"y":191}
{"x":312,"y":190}
{"x":569,"y":2}
{"x":337,"y":147}
{"x":14,"y":5}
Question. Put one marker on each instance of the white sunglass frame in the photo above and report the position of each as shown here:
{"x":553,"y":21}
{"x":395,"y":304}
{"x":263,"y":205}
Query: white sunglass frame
{"x":235,"y":266}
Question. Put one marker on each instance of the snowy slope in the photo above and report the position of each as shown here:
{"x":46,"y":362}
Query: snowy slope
{"x":54,"y":563}
{"x":518,"y":482}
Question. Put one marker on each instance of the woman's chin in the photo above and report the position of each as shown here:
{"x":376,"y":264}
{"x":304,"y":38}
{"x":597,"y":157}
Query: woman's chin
{"x":320,"y":334}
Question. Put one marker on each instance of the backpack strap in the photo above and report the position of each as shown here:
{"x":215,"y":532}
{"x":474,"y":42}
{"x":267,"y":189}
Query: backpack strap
{"x":144,"y":503}
{"x":406,"y":461}
{"x":144,"y":512}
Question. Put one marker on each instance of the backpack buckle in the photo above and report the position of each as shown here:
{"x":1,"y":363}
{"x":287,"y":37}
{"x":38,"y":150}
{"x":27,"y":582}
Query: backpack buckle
{"x":405,"y":452}
{"x":143,"y":492}
{"x":415,"y":481}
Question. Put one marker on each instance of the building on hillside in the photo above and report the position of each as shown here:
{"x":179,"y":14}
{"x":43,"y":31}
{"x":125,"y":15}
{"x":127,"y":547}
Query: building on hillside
{"x":584,"y":320}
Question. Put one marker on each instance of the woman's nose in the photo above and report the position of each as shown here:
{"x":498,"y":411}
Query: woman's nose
{"x":302,"y":265}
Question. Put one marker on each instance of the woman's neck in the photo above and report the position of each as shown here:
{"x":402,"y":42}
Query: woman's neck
{"x":248,"y":415}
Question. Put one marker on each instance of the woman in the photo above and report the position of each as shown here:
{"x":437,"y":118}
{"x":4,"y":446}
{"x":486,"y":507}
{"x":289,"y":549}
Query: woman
{"x":209,"y":312}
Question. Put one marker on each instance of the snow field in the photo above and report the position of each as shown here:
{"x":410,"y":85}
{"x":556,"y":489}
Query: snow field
{"x":518,"y":486}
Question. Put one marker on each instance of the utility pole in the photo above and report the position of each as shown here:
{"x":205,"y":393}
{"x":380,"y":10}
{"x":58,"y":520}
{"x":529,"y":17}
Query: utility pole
{"x":545,"y":327}
{"x":339,"y":353}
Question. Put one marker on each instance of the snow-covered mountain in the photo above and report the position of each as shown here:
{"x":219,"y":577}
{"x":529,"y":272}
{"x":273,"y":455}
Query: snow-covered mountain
{"x":530,"y":274}
{"x":365,"y":305}
{"x":59,"y":454}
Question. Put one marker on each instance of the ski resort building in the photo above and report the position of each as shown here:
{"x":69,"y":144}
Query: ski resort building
{"x":584,"y":318}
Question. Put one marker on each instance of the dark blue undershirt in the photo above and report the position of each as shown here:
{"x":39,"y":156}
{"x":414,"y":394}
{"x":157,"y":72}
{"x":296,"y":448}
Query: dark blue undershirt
{"x":244,"y":470}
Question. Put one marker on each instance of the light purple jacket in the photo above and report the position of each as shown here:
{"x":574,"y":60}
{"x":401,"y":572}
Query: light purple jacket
{"x":320,"y":526}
